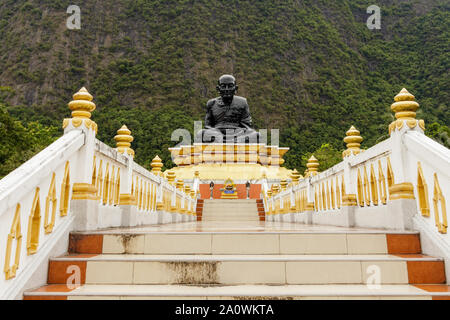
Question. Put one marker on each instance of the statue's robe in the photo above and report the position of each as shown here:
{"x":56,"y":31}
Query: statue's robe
{"x":232,"y":121}
{"x":222,"y":116}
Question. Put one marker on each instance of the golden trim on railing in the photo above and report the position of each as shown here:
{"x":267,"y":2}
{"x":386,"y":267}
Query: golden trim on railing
{"x":134,"y":190}
{"x":112,"y":186}
{"x":316,"y":198}
{"x":152,"y":198}
{"x":34,"y":224}
{"x":349,"y":200}
{"x":403,"y":190}
{"x":360,"y":190}
{"x":390,"y":173}
{"x":117,"y":193}
{"x":382,"y":183}
{"x":324,"y":197}
{"x":127,"y":199}
{"x":140,"y":194}
{"x":343,"y":186}
{"x":15,"y":233}
{"x":94,"y":174}
{"x":50,"y":199}
{"x":99,"y":183}
{"x":106,"y":185}
{"x":65,"y":191}
{"x":145,"y":197}
{"x":438,"y":197}
{"x":373,"y":185}
{"x":422,"y":191}
{"x":84,"y":191}
{"x":366,"y":187}
{"x":332,"y":196}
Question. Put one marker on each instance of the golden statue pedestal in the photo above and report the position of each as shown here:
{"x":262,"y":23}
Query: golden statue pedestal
{"x":229,"y":161}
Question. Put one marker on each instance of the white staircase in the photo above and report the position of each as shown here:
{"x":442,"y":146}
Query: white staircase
{"x":201,"y":260}
{"x":230,"y":210}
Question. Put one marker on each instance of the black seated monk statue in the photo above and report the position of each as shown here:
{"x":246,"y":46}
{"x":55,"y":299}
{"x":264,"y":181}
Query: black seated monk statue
{"x":228,"y":117}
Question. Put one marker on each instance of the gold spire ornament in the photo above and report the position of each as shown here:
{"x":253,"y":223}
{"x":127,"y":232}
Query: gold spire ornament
{"x":283,"y":184}
{"x":156,"y":165}
{"x":313,"y":166}
{"x":123,"y":141}
{"x":81,"y":107}
{"x":295,"y":176}
{"x":353,"y":141}
{"x":405,"y":108}
{"x":180,"y":184}
{"x":170,"y":175}
{"x":275,"y":189}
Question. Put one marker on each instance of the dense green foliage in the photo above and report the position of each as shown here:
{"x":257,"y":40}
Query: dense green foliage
{"x":310,"y":68}
{"x":18,"y":143}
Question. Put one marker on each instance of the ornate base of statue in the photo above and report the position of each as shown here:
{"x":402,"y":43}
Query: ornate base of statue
{"x":235,"y":161}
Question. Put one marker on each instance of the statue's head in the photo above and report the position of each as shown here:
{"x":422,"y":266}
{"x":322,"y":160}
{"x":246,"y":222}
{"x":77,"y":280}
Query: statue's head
{"x":227,"y":86}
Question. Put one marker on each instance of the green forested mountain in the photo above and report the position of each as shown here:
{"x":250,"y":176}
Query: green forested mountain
{"x":310,"y":68}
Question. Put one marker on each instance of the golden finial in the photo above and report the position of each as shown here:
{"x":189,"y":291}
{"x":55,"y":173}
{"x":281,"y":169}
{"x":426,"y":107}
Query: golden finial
{"x":82,"y":104}
{"x":170,"y":175}
{"x":192,"y":193}
{"x":353,"y":141}
{"x":180,"y":184}
{"x":283,"y":184}
{"x":187,"y":189}
{"x":197,"y":174}
{"x":275,"y":189}
{"x":269,"y":193}
{"x":123,"y":141}
{"x":81,"y":107}
{"x":405,"y":108}
{"x":156,"y":165}
{"x":295,"y":176}
{"x":313,"y":166}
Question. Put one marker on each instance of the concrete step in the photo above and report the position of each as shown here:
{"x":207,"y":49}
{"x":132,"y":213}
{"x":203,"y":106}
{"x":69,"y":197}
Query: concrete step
{"x":231,"y":215}
{"x":314,"y":242}
{"x":249,"y":269}
{"x":230,"y":210}
{"x":239,"y":292}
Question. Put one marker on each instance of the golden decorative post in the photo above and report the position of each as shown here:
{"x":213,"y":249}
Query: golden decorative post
{"x":123,"y":141}
{"x":313,"y":166}
{"x":405,"y":112}
{"x":170,"y":175}
{"x":81,"y":107}
{"x":295,"y":176}
{"x":156,"y":165}
{"x":283,"y":184}
{"x":353,"y":141}
{"x":275,"y":189}
{"x":180,"y":184}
